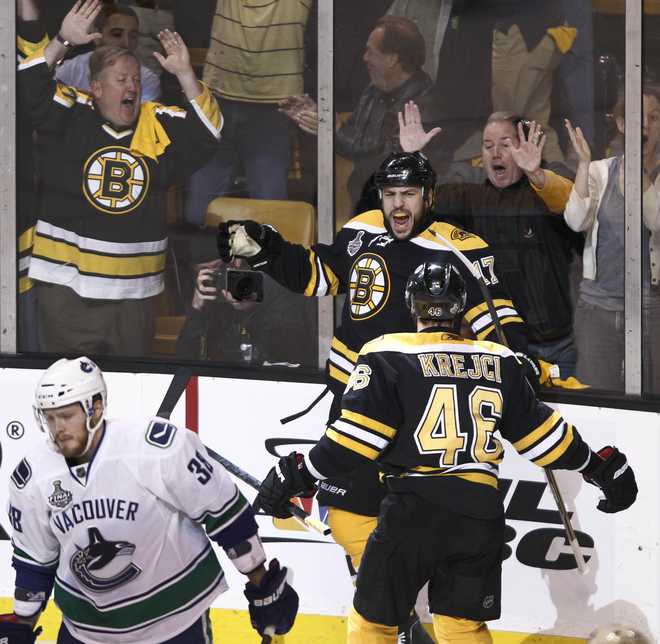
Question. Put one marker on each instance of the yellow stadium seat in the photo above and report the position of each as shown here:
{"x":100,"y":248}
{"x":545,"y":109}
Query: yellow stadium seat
{"x":295,"y":220}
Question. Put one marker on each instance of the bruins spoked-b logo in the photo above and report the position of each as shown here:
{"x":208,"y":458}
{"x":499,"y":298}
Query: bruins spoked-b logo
{"x":115,"y":180}
{"x":104,"y":565}
{"x":369,"y":286}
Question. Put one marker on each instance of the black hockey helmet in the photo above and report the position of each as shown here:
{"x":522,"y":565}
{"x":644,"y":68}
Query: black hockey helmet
{"x":436,"y":291}
{"x":406,"y":169}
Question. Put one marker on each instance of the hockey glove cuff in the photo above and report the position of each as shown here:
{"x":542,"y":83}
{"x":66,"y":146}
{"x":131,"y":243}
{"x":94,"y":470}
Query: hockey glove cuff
{"x":609,"y":470}
{"x":274,"y":602}
{"x":288,"y":478}
{"x":14,"y":632}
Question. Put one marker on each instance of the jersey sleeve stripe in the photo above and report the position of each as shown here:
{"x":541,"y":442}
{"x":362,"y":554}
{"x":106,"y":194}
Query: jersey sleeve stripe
{"x":548,"y":443}
{"x":312,"y":285}
{"x":351,"y":444}
{"x":482,"y":335}
{"x":208,"y":111}
{"x":558,"y":451}
{"x":341,"y":362}
{"x":337,"y":374}
{"x":370,"y":423}
{"x":24,"y":557}
{"x":331,"y":279}
{"x":547,"y":426}
{"x":322,"y":287}
{"x":339,"y":346}
{"x":482,"y":308}
{"x":361,"y":434}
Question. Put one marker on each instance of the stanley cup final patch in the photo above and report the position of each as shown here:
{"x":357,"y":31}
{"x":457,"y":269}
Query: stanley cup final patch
{"x":355,"y":244}
{"x":60,"y":497}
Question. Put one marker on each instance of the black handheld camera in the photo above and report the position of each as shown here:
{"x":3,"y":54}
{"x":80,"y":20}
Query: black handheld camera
{"x":242,"y":284}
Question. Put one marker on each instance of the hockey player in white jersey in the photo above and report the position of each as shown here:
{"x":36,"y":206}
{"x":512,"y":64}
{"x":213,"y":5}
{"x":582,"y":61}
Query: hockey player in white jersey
{"x":117,"y":517}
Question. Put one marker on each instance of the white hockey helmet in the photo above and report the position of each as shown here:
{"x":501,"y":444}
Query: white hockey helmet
{"x":66,"y":382}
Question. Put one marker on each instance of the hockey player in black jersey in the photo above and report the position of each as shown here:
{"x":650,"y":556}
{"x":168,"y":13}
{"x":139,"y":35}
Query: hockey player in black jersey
{"x":370,"y":260}
{"x":426,"y":407}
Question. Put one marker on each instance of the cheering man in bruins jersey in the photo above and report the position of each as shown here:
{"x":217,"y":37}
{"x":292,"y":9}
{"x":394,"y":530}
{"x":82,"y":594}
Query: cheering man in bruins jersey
{"x":426,"y":406}
{"x":100,"y":241}
{"x":370,"y":260}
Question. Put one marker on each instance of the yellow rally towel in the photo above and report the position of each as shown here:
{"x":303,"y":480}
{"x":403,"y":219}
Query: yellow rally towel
{"x":150,"y":138}
{"x":563,"y":36}
{"x":550,"y":377}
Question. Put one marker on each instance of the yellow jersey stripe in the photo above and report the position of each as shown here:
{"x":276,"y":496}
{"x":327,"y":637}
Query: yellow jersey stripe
{"x":87,"y":262}
{"x":353,"y":445}
{"x":536,"y":435}
{"x":334,"y":280}
{"x":369,"y":423}
{"x":557,"y":452}
{"x":26,"y":239}
{"x":488,"y":330}
{"x":313,"y":280}
{"x":483,"y":308}
{"x":24,"y":284}
{"x":341,"y":348}
{"x":337,"y":374}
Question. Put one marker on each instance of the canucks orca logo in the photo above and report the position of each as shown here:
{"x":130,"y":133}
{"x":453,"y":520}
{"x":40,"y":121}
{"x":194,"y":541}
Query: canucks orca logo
{"x":115,"y":180}
{"x":104,"y":565}
{"x":369,"y":286}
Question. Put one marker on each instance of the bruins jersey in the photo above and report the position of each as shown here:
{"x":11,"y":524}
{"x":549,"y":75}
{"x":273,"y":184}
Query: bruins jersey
{"x":428,"y":408}
{"x":31,"y":37}
{"x":372,"y":268}
{"x":101,"y":226}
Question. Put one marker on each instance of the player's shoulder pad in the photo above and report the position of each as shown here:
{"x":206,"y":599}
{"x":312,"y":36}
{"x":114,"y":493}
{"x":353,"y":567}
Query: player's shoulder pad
{"x":461,"y":239}
{"x":486,"y":346}
{"x":160,"y":433}
{"x":399,"y":342}
{"x":22,"y":474}
{"x":372,"y":221}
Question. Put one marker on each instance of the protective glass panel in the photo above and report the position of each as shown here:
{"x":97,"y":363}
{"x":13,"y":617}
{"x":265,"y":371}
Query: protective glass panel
{"x":127,"y":198}
{"x":650,"y":224}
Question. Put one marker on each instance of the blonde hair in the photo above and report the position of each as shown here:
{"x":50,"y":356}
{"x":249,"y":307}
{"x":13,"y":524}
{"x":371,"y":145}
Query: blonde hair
{"x":106,"y":56}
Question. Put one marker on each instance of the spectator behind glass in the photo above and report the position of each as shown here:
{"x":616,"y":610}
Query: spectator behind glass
{"x":153,"y":17}
{"x":394,"y":56}
{"x":255,"y":59}
{"x":508,"y":49}
{"x":118,"y":27}
{"x":514,"y":209}
{"x":596,"y":208}
{"x":220,"y":328}
{"x":101,"y":237}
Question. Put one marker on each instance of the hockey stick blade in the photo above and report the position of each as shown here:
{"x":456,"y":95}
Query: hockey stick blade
{"x":176,"y":387}
{"x":298,"y":513}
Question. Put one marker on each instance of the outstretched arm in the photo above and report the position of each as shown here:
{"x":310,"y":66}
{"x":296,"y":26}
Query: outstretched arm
{"x":177,"y":62}
{"x":75,"y":30}
{"x":412,"y":137}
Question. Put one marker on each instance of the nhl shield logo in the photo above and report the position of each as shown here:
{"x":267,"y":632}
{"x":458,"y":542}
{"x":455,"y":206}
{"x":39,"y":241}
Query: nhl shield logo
{"x":355,"y":244}
{"x":60,"y":498}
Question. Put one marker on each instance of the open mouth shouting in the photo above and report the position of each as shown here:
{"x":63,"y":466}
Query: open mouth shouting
{"x":401,"y":222}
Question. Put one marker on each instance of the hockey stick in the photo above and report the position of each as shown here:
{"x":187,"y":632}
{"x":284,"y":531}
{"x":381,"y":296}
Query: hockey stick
{"x":176,"y":387}
{"x":549,"y":474}
{"x":298,"y":513}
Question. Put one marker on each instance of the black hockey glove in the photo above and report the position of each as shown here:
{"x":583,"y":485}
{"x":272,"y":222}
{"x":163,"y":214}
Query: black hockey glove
{"x":612,"y":474}
{"x":255,"y":242}
{"x":14,"y":632}
{"x":288,"y":478}
{"x":273,"y":603}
